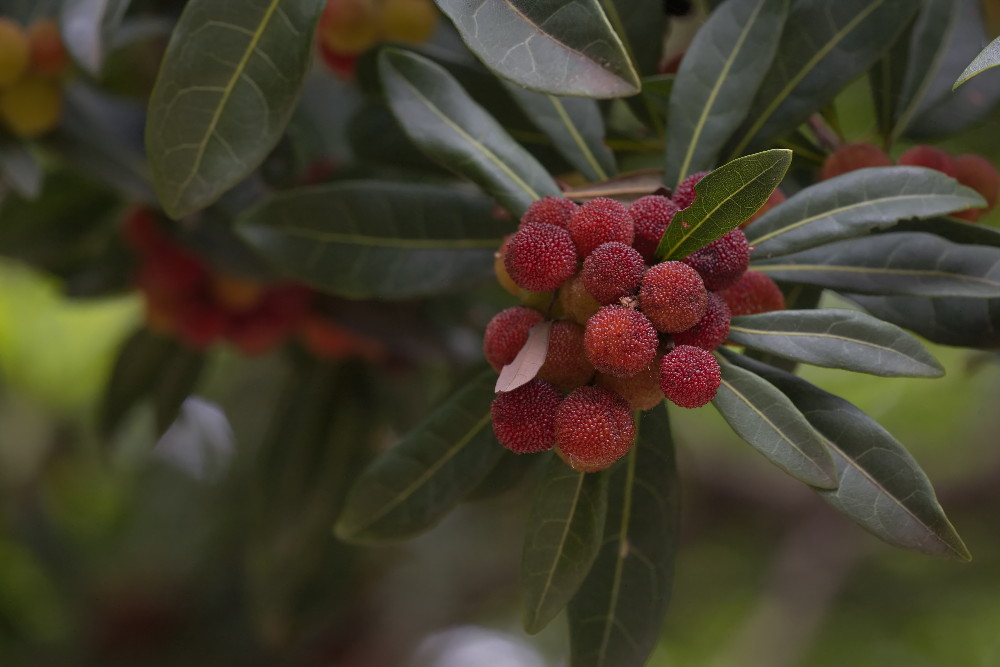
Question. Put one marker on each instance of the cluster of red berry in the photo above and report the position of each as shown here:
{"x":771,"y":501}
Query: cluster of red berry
{"x":188,"y":300}
{"x":968,"y":169}
{"x":626,"y":331}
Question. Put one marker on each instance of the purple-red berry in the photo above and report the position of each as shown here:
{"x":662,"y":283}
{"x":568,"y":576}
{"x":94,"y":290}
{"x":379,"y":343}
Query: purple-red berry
{"x":599,"y":221}
{"x":685,"y":194}
{"x":712,"y":329}
{"x":620,"y":341}
{"x":612,"y":271}
{"x":524,"y":419}
{"x":721,"y":262}
{"x":566,"y":365}
{"x":594,"y":428}
{"x":540,"y":257}
{"x":753,"y":293}
{"x":506,"y":334}
{"x":689,"y":376}
{"x":849,"y":157}
{"x":641,"y":391}
{"x":673,"y":296}
{"x":651,"y":216}
{"x":550,"y":210}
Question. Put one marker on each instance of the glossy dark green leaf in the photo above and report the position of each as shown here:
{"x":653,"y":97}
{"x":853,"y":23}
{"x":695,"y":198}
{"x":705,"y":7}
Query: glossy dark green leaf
{"x":415,"y":484}
{"x":988,"y":58}
{"x":640,"y":25}
{"x":721,"y":70}
{"x":725,"y":198}
{"x":507,"y":474}
{"x":563,"y":47}
{"x":228,"y":84}
{"x":378,"y":239}
{"x":952,"y":321}
{"x":854,"y":204}
{"x":19,"y":169}
{"x":87,"y":27}
{"x":767,"y":420}
{"x":575,"y":126}
{"x":956,"y":231}
{"x":825,"y":47}
{"x":136,"y":373}
{"x":176,"y":381}
{"x":562,"y":539}
{"x":885,"y":79}
{"x":843,"y":339}
{"x":616,"y":617}
{"x":882,"y":487}
{"x":904,"y":263}
{"x":444,"y":122}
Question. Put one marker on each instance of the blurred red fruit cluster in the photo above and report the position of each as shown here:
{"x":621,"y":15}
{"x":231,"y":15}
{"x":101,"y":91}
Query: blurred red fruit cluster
{"x":189,"y":300}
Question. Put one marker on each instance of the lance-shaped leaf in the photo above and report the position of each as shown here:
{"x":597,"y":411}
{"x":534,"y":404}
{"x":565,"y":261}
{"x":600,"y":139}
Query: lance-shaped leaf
{"x":561,"y":540}
{"x":552,"y":46}
{"x":959,"y":322}
{"x":956,"y":231}
{"x":228,"y":84}
{"x":906,"y":263}
{"x":882,"y":487}
{"x":19,"y":169}
{"x":725,"y":198}
{"x":854,"y":204}
{"x":829,"y":46}
{"x":87,"y":26}
{"x":721,"y":70}
{"x":768,"y":421}
{"x":988,"y":58}
{"x":616,"y":618}
{"x":377,"y":239}
{"x":446,"y":124}
{"x":640,"y":24}
{"x":136,"y":372}
{"x":843,"y":339}
{"x":416,"y":483}
{"x":177,"y":380}
{"x":574,"y":125}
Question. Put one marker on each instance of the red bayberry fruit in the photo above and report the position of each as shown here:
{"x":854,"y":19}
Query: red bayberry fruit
{"x":753,"y":293}
{"x":612,"y":271}
{"x":849,"y":157}
{"x":711,"y":330}
{"x":540,"y":257}
{"x":685,"y":194}
{"x":721,"y":262}
{"x":979,"y":174}
{"x":524,"y":419}
{"x":577,"y":303}
{"x":566,"y":365}
{"x":329,"y":341}
{"x":48,"y":55}
{"x":199,"y":324}
{"x":689,"y":376}
{"x":929,"y":156}
{"x":641,"y":391}
{"x":777,"y":197}
{"x":593,"y":428}
{"x":550,"y":210}
{"x":506,"y":334}
{"x":599,"y":221}
{"x":620,"y":341}
{"x":651,"y":215}
{"x":673,"y":296}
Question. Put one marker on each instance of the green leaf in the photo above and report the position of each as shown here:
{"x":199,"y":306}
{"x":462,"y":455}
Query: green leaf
{"x":508,"y":473}
{"x":953,"y":321}
{"x":176,"y":381}
{"x":640,"y":25}
{"x":767,"y":420}
{"x":562,"y":539}
{"x":377,"y":239}
{"x":136,"y":373}
{"x":854,"y":204}
{"x":825,"y":46}
{"x":226,"y":89}
{"x":563,"y":47}
{"x":956,"y":231}
{"x":988,"y":58}
{"x":19,"y":169}
{"x":885,"y":80}
{"x":882,"y":487}
{"x":415,"y":484}
{"x":905,"y":263}
{"x":616,"y":617}
{"x":444,"y":122}
{"x":725,"y":198}
{"x":721,"y":70}
{"x":87,"y":26}
{"x":575,"y":127}
{"x":843,"y":339}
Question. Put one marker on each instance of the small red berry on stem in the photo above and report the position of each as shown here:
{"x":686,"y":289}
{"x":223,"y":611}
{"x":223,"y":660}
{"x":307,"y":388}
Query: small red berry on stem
{"x":593,"y":429}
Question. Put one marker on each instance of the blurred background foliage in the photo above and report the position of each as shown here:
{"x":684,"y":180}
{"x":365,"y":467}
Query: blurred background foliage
{"x":138,"y":549}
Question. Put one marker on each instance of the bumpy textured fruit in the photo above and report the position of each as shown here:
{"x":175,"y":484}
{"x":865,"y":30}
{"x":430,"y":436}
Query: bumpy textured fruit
{"x":599,"y":221}
{"x":566,"y":365}
{"x":593,"y":428}
{"x":407,"y":21}
{"x":506,"y":333}
{"x":234,"y":293}
{"x":31,"y":106}
{"x":721,"y":262}
{"x":673,"y":296}
{"x":689,"y":376}
{"x":48,"y":55}
{"x":641,"y":391}
{"x":540,"y":257}
{"x":576,"y":302}
{"x":524,"y":419}
{"x":651,"y":215}
{"x":556,"y":211}
{"x":501,"y":271}
{"x":858,"y":155}
{"x":711,"y":330}
{"x":929,"y":156}
{"x":777,"y":197}
{"x":15,"y":52}
{"x":753,"y":293}
{"x":620,"y":341}
{"x":685,"y":195}
{"x":612,"y":271}
{"x":979,"y":174}
{"x":348,"y":27}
